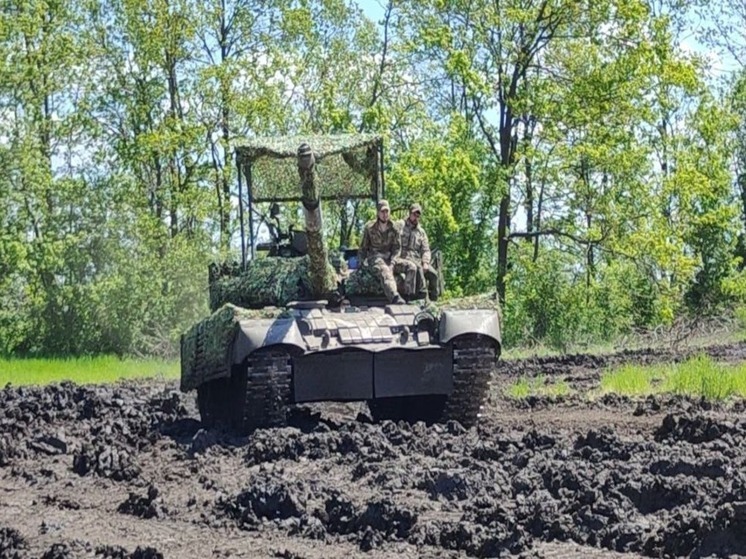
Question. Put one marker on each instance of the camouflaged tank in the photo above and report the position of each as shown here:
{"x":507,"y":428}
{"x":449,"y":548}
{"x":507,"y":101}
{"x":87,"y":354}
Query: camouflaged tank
{"x":284,"y":330}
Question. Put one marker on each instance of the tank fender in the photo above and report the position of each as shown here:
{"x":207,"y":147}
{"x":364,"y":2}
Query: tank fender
{"x":255,"y":334}
{"x":480,"y":321}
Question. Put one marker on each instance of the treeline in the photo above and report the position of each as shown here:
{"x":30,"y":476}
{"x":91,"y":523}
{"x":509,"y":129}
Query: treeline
{"x":571,"y":155}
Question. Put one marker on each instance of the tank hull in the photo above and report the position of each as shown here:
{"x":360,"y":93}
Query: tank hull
{"x":401,"y":356}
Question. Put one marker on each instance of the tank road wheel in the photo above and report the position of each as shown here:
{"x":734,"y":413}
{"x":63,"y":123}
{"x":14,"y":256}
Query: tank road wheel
{"x":474,"y":358}
{"x":213,"y":402}
{"x":262,"y":390}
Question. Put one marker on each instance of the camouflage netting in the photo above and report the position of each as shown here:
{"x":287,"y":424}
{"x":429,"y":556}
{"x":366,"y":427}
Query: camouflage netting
{"x":267,"y":282}
{"x":346,"y":166}
{"x":206,"y":347}
{"x":488,"y":301}
{"x":363,"y":282}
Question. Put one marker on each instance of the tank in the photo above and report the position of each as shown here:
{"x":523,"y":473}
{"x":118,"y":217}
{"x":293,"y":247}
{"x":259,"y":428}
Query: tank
{"x":306,"y":324}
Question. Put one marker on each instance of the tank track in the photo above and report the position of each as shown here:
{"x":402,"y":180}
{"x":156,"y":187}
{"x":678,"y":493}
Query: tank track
{"x":474,"y":358}
{"x":257,"y":394}
{"x":264,"y":390}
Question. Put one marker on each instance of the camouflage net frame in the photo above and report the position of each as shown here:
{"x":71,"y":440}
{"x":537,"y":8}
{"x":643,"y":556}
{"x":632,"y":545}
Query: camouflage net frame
{"x":347,"y":166}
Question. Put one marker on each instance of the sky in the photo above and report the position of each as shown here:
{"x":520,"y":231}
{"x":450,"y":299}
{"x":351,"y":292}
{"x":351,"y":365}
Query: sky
{"x":374,"y":9}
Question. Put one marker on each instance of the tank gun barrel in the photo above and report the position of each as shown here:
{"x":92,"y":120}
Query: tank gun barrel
{"x":317,"y":250}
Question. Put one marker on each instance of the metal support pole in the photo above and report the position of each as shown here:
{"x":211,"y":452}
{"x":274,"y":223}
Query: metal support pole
{"x":382,"y":180}
{"x":249,"y":190}
{"x":240,"y":214}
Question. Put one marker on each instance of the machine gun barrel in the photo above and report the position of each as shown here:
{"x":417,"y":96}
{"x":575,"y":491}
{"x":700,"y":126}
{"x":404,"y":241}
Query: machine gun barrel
{"x":317,"y":251}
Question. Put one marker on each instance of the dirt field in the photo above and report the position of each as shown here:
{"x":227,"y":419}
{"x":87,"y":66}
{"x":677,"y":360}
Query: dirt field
{"x":125,"y":471}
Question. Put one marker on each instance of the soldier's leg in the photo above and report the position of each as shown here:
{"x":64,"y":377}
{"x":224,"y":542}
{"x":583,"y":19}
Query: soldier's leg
{"x":412,"y":280}
{"x":433,"y":283}
{"x":415,"y":278}
{"x":402,"y":288}
{"x":418,"y":289}
{"x":386,"y":275}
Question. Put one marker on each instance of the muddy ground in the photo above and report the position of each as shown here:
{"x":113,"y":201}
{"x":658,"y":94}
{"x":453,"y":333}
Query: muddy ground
{"x":125,"y":471}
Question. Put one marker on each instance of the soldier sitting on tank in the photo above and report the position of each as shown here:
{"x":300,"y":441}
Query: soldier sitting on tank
{"x":380,"y":250}
{"x":416,"y":248}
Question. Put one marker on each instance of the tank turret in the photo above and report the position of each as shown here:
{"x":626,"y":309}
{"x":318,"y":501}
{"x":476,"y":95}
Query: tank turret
{"x":296,"y":264}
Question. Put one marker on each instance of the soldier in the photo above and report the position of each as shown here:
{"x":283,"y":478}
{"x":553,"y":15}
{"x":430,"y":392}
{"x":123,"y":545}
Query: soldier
{"x":380,"y":250}
{"x":416,"y":248}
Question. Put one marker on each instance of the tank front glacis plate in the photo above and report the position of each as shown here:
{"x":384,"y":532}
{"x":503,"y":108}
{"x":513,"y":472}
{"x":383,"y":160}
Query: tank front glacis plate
{"x":374,"y":328}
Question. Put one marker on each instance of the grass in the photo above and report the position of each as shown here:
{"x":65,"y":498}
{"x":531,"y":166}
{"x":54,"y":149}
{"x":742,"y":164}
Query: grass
{"x":536,"y":386}
{"x":698,"y":377}
{"x":631,"y":380}
{"x":83,"y":370}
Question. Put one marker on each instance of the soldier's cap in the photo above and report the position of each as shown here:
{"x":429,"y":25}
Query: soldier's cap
{"x":383,"y":205}
{"x":415,"y":208}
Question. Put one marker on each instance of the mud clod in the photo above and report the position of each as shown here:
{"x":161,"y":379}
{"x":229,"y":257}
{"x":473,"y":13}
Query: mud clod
{"x":148,"y":506}
{"x":107,"y":461}
{"x":696,"y":429}
{"x":118,"y":552}
{"x":266,"y":498}
{"x":59,"y":551}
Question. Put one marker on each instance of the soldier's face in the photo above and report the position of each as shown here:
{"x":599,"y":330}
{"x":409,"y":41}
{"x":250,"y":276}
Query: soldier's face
{"x":383,"y":215}
{"x":414,"y":217}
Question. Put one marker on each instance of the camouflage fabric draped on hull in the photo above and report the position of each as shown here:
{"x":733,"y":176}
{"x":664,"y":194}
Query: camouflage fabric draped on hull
{"x":204,"y":347}
{"x":266,"y":282}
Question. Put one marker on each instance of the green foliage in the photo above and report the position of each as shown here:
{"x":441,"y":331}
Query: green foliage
{"x":740,"y":314}
{"x":574,"y":156}
{"x":712,"y":227}
{"x":550,"y":303}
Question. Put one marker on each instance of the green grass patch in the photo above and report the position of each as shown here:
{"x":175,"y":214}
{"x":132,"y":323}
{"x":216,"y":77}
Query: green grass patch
{"x":91,"y":370}
{"x":703,"y":377}
{"x":536,"y":386}
{"x":699,"y":377}
{"x":631,"y":380}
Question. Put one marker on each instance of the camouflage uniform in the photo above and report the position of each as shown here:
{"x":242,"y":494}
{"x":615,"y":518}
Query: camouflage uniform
{"x":379,"y":251}
{"x":415,"y":247}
